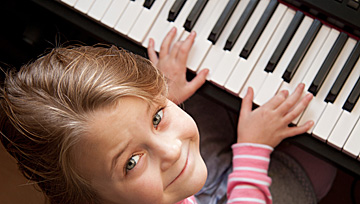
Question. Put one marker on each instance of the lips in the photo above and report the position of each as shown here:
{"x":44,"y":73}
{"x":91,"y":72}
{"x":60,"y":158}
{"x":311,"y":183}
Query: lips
{"x":182,"y":171}
{"x":183,"y":168}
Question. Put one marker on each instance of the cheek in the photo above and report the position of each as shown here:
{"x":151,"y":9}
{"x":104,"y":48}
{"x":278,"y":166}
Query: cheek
{"x":145,"y":189}
{"x":186,"y":124}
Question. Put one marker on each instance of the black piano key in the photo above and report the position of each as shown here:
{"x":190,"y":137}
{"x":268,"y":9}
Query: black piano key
{"x":353,"y":97}
{"x":175,"y":10}
{"x":328,"y":63}
{"x":284,"y":42}
{"x":235,"y":33}
{"x":194,"y":14}
{"x":259,"y":29}
{"x":148,"y":3}
{"x":301,"y":51}
{"x":344,"y":74}
{"x":221,"y":22}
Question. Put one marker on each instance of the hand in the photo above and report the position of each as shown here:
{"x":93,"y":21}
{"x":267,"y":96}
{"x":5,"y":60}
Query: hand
{"x":268,"y":124}
{"x":172,"y":63}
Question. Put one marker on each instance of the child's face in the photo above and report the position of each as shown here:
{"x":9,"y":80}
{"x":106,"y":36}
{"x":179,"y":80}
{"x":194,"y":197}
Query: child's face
{"x":138,"y":153}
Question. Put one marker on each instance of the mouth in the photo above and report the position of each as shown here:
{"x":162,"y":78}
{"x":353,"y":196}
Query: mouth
{"x":183,"y":169}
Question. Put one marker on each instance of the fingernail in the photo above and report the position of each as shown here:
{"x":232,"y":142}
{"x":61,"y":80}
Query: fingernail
{"x":207,"y":71}
{"x":309,"y":96}
{"x":285,"y":92}
{"x":248,"y":89}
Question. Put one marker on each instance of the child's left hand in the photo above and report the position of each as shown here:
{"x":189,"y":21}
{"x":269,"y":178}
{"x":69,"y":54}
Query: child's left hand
{"x":268,"y":124}
{"x":173,"y":65}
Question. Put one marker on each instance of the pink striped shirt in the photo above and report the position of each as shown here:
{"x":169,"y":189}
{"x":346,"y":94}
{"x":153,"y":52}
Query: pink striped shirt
{"x":249,"y":182}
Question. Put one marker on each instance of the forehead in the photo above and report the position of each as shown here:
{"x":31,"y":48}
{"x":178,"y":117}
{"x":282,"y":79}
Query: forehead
{"x":117,"y":119}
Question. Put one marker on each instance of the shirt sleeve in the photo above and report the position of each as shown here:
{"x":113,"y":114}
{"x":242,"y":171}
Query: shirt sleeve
{"x":249,"y":182}
{"x":189,"y":200}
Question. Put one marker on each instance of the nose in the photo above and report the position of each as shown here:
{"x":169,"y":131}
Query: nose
{"x":169,"y":151}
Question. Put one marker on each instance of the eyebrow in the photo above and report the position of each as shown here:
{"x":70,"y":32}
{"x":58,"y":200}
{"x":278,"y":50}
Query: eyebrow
{"x":117,"y":156}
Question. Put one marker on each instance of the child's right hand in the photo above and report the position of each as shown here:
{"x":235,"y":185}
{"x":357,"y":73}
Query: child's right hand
{"x":268,"y":124}
{"x":172,"y":63}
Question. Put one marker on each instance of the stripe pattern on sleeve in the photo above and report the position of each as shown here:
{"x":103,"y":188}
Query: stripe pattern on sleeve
{"x":249,"y":182}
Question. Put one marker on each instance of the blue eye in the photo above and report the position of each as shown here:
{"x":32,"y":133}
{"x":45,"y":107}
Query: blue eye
{"x":132,"y":162}
{"x":157,"y":118}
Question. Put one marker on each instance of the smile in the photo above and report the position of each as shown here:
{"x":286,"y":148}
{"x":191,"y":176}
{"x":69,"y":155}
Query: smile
{"x":184,"y":168}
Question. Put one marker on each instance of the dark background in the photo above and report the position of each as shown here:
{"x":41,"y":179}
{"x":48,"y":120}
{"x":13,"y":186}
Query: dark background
{"x":28,"y":30}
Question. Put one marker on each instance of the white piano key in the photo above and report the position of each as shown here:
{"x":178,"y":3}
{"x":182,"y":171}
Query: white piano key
{"x":180,"y":20}
{"x":223,"y":71}
{"x":352,"y":146}
{"x":306,"y":74}
{"x":144,"y":22}
{"x":98,"y":9}
{"x":162,"y":26}
{"x":347,"y":120}
{"x":343,"y":128}
{"x":307,"y":60}
{"x":202,"y":28}
{"x":129,"y":16}
{"x":332,"y":112}
{"x":224,"y":67}
{"x":306,"y":63}
{"x":326,"y":121}
{"x":317,"y":105}
{"x":323,"y":52}
{"x":184,"y":13}
{"x":197,"y":53}
{"x":258,"y":75}
{"x":202,"y":44}
{"x":70,"y":2}
{"x":159,"y":26}
{"x":83,"y":5}
{"x":212,"y":59}
{"x":113,"y":14}
{"x":232,"y":84}
{"x":262,"y":42}
{"x":250,"y":26}
{"x":274,"y":80}
{"x":216,"y":51}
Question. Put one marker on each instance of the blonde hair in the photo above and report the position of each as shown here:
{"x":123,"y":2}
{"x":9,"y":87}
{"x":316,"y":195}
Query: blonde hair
{"x":45,"y":106}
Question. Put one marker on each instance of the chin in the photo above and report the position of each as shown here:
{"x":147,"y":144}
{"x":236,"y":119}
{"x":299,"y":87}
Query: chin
{"x":193,"y":184}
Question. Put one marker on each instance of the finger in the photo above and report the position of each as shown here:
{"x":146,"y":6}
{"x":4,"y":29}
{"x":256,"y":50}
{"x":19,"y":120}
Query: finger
{"x":151,"y":52}
{"x":299,"y":108}
{"x":165,"y":45}
{"x":175,"y":49}
{"x":246,"y":105}
{"x":292,"y":131}
{"x":276,"y":100}
{"x":185,"y":47}
{"x":197,"y":81}
{"x":292,"y":99}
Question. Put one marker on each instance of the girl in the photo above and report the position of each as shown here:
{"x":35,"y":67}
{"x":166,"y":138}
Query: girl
{"x":94,"y":125}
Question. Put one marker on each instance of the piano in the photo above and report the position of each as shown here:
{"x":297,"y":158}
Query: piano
{"x":269,"y":45}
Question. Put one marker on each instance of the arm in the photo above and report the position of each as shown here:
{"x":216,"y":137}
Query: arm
{"x":259,"y":131}
{"x":249,"y":181}
{"x":172,"y":63}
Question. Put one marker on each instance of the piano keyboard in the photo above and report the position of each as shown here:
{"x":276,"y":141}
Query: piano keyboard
{"x":268,"y":45}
